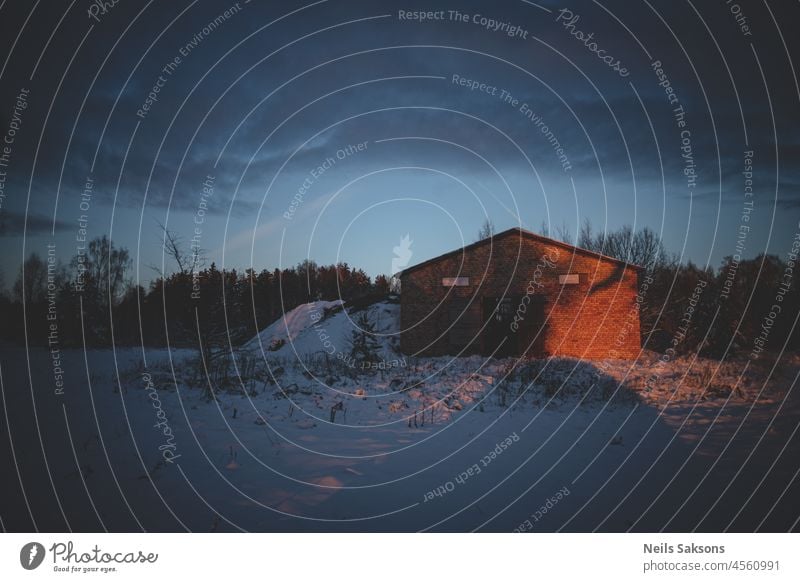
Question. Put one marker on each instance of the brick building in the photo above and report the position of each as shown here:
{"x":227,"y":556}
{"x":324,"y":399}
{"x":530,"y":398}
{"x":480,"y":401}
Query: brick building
{"x":519,"y":293}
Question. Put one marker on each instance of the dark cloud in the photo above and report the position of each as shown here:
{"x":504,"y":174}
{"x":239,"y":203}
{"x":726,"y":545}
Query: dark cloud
{"x":251,"y":96}
{"x":17,"y":224}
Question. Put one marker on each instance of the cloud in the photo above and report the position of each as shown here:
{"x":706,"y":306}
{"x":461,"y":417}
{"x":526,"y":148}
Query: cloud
{"x":16,"y":224}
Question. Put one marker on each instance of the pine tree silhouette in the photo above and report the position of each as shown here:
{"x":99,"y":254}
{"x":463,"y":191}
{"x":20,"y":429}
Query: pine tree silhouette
{"x":364,"y":345}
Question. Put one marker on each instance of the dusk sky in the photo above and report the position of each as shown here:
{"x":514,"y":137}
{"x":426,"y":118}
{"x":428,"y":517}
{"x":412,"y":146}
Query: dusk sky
{"x":645,"y":384}
{"x":329,"y":130}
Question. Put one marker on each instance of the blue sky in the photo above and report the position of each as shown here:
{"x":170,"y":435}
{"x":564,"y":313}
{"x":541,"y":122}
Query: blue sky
{"x":260,"y":106}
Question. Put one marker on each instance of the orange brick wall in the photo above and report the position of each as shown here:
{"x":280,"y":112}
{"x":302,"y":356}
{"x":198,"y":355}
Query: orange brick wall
{"x":596,"y":319}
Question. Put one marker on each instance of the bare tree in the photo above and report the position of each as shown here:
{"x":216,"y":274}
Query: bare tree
{"x":189,"y":261}
{"x":31,"y":283}
{"x":564,"y":234}
{"x":586,"y":236}
{"x":106,"y":266}
{"x":486,"y":230}
{"x":172,"y":246}
{"x":642,"y":247}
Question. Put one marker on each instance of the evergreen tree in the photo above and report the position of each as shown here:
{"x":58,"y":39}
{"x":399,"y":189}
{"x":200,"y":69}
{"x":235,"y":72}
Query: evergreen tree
{"x":364,"y":347}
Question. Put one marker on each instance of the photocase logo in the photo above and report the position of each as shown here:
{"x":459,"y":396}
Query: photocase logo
{"x":31,"y":555}
{"x":99,"y":7}
{"x":402,"y":254}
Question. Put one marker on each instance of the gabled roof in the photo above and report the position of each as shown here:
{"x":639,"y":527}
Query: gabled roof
{"x":524,"y":233}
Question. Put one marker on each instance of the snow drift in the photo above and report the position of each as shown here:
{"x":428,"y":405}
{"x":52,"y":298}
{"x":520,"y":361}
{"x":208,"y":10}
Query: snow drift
{"x":327,"y":327}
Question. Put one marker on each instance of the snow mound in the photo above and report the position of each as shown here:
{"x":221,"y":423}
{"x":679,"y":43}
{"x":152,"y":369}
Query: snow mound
{"x":327,"y":327}
{"x":288,"y":327}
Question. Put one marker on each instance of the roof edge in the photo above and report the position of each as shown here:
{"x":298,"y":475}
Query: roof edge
{"x":522,"y":232}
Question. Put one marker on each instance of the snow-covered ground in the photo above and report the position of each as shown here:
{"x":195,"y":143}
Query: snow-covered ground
{"x":311,"y":441}
{"x":321,"y":328}
{"x":291,"y":325}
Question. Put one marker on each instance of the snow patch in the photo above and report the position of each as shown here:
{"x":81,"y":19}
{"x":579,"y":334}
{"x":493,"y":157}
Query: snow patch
{"x":326,"y":327}
{"x":290,"y":326}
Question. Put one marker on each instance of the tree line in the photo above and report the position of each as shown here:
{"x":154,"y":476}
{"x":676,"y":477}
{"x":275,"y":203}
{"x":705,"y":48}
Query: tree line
{"x":93,"y":300}
{"x":731,"y":309}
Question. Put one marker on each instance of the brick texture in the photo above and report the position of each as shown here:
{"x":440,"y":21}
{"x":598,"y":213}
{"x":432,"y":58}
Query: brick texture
{"x":595,"y":319}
